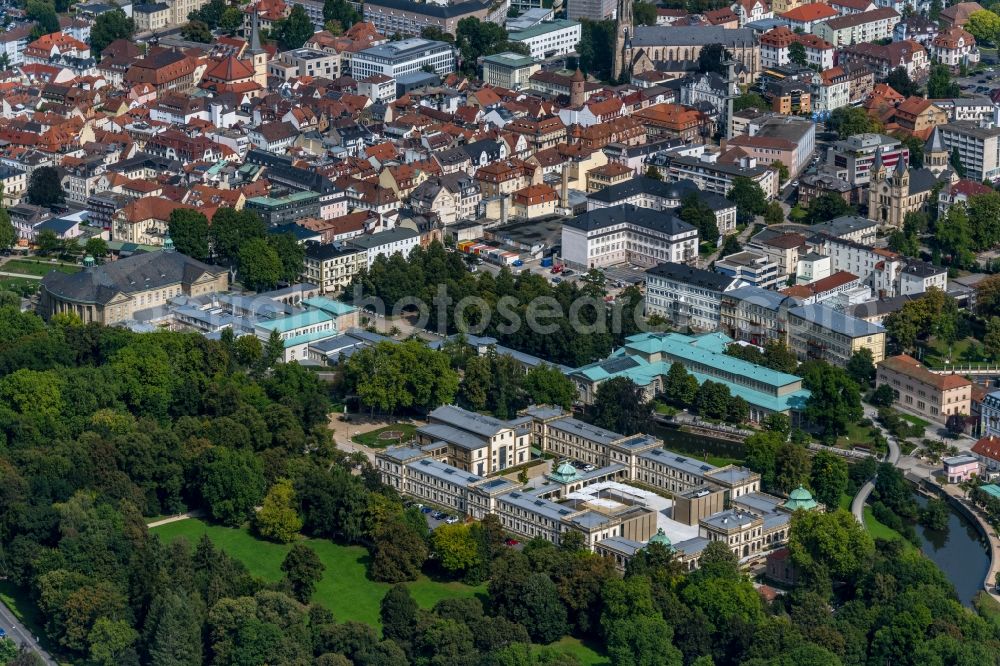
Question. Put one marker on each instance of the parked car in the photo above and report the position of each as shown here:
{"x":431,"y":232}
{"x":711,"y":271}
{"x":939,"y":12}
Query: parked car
{"x":451,"y":520}
{"x":518,"y":263}
{"x":511,"y":542}
{"x":439,"y":515}
{"x":556,"y":280}
{"x":568,"y":271}
{"x":425,"y":509}
{"x":3,"y":632}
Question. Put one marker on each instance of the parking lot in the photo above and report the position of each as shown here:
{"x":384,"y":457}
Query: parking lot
{"x":980,"y":83}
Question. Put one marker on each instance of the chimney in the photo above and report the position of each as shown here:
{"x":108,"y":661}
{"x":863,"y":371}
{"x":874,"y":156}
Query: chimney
{"x":564,"y":193}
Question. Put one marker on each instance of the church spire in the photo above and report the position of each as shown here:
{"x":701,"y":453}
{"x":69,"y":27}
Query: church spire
{"x":255,"y":33}
{"x":624,"y":29}
{"x":935,"y":144}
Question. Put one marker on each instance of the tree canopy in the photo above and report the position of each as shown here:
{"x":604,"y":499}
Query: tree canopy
{"x":45,"y":187}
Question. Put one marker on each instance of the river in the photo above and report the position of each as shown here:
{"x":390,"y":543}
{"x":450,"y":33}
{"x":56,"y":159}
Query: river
{"x":960,"y":551}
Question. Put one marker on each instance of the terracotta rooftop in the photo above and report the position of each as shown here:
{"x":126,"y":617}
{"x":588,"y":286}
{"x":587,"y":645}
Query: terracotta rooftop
{"x":911,"y":367}
{"x":811,"y":12}
{"x":988,"y":447}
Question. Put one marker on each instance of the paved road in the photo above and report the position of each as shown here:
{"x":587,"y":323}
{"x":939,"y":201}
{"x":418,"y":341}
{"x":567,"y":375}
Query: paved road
{"x":174,"y":519}
{"x":20,"y":634}
{"x":858,"y":504}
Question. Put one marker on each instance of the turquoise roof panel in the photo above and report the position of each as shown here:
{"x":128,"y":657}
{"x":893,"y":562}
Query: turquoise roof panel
{"x":285,"y":324}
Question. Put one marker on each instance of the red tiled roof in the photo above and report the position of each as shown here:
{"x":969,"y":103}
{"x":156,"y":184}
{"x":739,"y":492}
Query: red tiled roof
{"x":911,"y":367}
{"x":230,"y":69}
{"x":969,"y":188}
{"x":811,"y":12}
{"x":988,"y":447}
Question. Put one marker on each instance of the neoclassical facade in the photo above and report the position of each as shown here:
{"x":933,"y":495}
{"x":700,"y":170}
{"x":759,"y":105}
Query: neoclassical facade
{"x":115,"y":291}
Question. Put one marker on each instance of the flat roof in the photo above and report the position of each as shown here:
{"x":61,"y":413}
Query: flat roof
{"x":542,"y":28}
{"x":298,"y":320}
{"x":510,"y":59}
{"x":329,"y":305}
{"x":404,"y":48}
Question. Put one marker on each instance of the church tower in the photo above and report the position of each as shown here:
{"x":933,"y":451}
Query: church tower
{"x":576,"y":89}
{"x":878,"y":190}
{"x":258,"y":54}
{"x":900,"y":178}
{"x":624,"y":29}
{"x":935,"y":153}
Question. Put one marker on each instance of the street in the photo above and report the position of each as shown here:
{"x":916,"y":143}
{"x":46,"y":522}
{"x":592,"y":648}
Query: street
{"x":20,"y":635}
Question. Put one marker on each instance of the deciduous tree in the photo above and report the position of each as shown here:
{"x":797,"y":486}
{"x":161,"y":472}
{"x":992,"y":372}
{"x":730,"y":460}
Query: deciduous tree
{"x":293,"y":30}
{"x":797,"y":54}
{"x":620,"y":405}
{"x":45,"y":187}
{"x":108,"y":27}
{"x":260,"y":266}
{"x":232,"y":485}
{"x":749,"y":198}
{"x":188,"y":230}
{"x":302,"y":569}
{"x":277,"y":519}
{"x":828,"y":478}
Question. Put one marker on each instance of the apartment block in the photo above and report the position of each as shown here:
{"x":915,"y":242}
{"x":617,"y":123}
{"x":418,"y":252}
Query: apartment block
{"x":858,"y":28}
{"x":687,"y":296}
{"x":854,"y":156}
{"x":407,"y":56}
{"x":549,"y":38}
{"x":818,"y":331}
{"x":332,"y":266}
{"x":978,"y":148}
{"x":409,"y":18}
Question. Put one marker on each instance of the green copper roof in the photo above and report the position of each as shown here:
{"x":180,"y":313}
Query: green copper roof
{"x":693,"y":352}
{"x":661,"y":538}
{"x":564,"y":473}
{"x":800,"y":498}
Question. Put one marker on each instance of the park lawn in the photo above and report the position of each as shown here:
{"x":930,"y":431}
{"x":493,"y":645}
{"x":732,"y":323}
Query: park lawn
{"x":856,"y":434}
{"x":664,"y":409}
{"x":34,"y":267}
{"x":585,"y":653}
{"x":845,"y":501}
{"x":936,"y":352}
{"x":16,"y":284}
{"x":345,"y":588}
{"x":720,"y":461}
{"x":915,"y":420}
{"x":880,"y":530}
{"x":371,"y":439}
